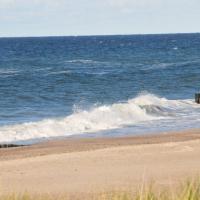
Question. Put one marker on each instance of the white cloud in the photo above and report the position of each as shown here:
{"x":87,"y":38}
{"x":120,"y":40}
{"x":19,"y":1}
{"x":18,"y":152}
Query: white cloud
{"x":150,"y":3}
{"x":12,"y":4}
{"x":133,"y":3}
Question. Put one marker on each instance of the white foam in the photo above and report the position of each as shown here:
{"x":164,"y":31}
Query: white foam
{"x":169,"y":65}
{"x":144,"y":108}
{"x":84,"y":61}
{"x":8,"y":72}
{"x":59,"y":72}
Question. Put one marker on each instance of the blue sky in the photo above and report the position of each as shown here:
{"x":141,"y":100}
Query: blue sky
{"x":97,"y":17}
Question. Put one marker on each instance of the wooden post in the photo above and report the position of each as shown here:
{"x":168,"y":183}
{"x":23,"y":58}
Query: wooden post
{"x":197,"y":98}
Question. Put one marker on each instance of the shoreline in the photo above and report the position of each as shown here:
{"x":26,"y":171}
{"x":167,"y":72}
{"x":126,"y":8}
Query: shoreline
{"x":69,"y":145}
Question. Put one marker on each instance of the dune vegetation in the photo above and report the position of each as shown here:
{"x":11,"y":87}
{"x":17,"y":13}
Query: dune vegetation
{"x":190,"y":190}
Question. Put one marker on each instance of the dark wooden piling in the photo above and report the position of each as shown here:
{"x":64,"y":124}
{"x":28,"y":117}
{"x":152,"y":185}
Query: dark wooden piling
{"x":3,"y":146}
{"x":197,"y":98}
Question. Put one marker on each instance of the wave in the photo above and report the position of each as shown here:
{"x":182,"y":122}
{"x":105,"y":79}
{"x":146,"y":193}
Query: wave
{"x":84,"y":61}
{"x":59,"y":72}
{"x":143,"y":108}
{"x":170,"y":65}
{"x":8,"y":72}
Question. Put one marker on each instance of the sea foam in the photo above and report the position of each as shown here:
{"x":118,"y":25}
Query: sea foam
{"x":143,"y":108}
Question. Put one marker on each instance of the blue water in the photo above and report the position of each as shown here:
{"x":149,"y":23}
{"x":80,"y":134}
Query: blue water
{"x":51,"y":80}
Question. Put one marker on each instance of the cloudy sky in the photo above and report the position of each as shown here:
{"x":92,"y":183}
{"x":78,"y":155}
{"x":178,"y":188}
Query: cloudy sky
{"x":97,"y":17}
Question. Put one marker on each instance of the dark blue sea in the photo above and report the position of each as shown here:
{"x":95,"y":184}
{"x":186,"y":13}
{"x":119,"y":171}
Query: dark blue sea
{"x":97,"y":86}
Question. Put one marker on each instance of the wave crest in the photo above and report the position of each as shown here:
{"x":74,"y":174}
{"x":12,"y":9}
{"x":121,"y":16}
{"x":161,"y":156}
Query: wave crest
{"x":143,"y":108}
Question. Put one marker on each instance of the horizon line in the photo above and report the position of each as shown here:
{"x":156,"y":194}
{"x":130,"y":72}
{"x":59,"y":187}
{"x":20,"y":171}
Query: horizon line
{"x":99,"y":35}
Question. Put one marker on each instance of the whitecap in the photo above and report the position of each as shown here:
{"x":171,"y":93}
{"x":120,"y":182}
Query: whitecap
{"x":8,"y":72}
{"x":84,"y":61}
{"x":59,"y":72}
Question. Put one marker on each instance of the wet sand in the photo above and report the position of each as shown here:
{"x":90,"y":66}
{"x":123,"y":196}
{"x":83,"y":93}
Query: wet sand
{"x":82,"y":166}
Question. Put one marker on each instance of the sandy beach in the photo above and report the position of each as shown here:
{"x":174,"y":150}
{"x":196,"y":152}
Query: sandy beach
{"x":84,"y":166}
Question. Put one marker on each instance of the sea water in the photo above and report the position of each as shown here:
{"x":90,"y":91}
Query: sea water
{"x":97,"y":86}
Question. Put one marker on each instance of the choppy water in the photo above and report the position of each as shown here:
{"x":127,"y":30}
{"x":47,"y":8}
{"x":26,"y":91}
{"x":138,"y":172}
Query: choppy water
{"x":99,"y":85}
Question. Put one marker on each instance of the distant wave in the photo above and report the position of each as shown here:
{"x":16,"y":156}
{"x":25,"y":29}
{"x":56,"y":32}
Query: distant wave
{"x":84,"y":61}
{"x":8,"y":72}
{"x":169,"y":65}
{"x":59,"y":72}
{"x":43,"y":69}
{"x":143,"y":108}
{"x":73,"y":72}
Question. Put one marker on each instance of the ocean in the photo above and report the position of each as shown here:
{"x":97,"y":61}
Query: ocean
{"x":97,"y":86}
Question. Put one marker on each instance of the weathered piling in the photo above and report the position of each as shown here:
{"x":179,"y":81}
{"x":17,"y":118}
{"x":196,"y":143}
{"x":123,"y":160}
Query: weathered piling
{"x":4,"y":146}
{"x":197,"y":98}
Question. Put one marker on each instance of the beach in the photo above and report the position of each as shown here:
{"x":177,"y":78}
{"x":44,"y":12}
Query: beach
{"x":91,"y":165}
{"x":89,"y":114}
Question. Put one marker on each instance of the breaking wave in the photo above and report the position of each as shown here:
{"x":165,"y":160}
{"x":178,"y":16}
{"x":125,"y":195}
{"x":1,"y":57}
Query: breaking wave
{"x":143,"y":108}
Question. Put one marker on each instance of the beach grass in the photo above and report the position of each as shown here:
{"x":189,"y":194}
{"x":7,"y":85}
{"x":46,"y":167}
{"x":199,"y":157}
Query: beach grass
{"x":190,"y":190}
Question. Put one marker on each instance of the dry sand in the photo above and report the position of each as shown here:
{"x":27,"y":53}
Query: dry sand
{"x":81,"y":166}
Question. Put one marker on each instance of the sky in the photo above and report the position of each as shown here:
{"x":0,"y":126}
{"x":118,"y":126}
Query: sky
{"x":97,"y":17}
